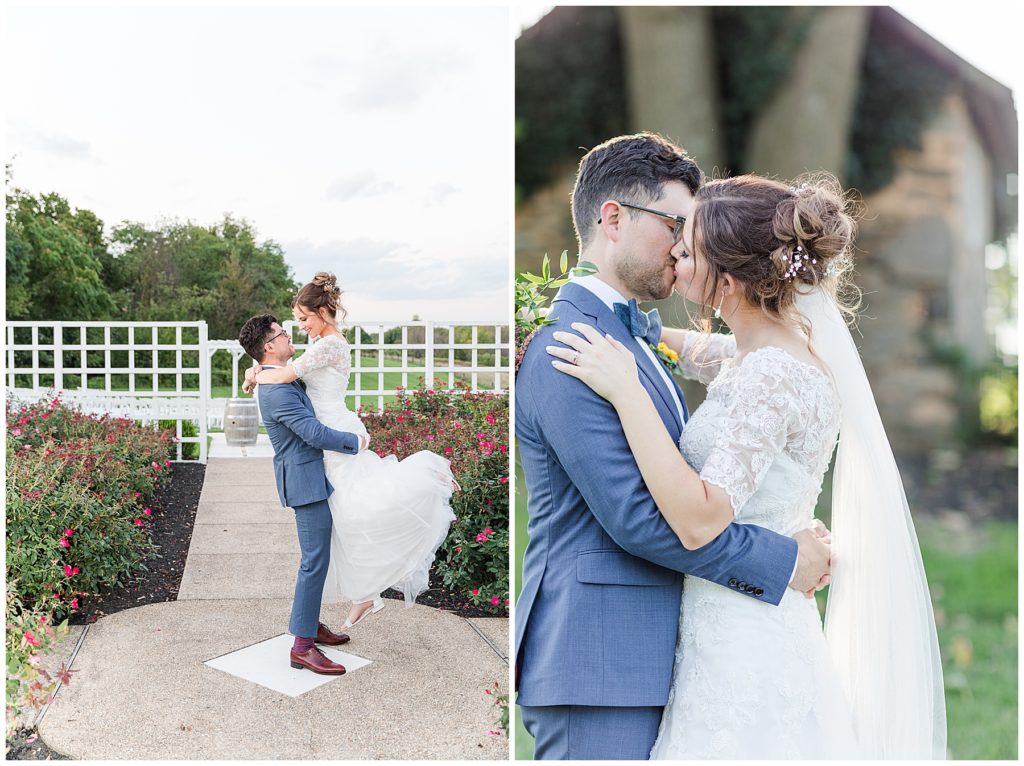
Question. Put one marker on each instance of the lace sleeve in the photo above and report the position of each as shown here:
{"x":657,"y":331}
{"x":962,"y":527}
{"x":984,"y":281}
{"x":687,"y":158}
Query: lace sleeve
{"x":327,"y":352}
{"x":703,"y":354}
{"x":764,"y":412}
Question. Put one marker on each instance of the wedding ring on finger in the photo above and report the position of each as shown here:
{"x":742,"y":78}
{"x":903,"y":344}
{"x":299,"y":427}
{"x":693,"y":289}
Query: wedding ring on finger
{"x":575,"y":358}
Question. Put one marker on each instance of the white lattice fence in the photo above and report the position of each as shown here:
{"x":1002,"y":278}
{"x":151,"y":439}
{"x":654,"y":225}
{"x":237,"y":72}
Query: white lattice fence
{"x":146,"y":371}
{"x":162,"y":370}
{"x":476,"y":354}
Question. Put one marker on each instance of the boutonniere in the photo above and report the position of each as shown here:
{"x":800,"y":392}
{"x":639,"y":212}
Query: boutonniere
{"x":668,"y":357}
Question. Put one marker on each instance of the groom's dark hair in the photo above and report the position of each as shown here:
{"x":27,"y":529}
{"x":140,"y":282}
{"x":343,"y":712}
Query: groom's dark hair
{"x":629,"y":169}
{"x":254,"y":333}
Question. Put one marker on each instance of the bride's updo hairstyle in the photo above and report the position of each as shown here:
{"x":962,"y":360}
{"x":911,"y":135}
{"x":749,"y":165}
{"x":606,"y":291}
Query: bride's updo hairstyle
{"x":777,"y":238}
{"x":322,"y":293}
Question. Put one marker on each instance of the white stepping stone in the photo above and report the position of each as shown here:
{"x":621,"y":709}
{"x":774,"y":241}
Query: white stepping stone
{"x":266,"y":664}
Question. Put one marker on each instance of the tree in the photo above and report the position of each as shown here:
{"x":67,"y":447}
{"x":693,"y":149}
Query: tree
{"x":55,"y":267}
{"x":220,"y":273}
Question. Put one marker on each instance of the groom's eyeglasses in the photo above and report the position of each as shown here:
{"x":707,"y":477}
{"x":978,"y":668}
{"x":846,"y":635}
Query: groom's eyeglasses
{"x":271,"y":340}
{"x":680,"y":221}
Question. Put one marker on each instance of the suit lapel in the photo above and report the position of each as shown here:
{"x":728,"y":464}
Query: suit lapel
{"x":606,"y":321}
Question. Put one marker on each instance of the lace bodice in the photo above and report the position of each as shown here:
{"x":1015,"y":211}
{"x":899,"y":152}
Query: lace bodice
{"x":765,"y":434}
{"x":325,"y":368}
{"x":753,"y":680}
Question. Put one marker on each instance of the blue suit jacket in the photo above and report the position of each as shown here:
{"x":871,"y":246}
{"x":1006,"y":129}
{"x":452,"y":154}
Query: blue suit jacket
{"x":597,"y":618}
{"x":299,"y":440}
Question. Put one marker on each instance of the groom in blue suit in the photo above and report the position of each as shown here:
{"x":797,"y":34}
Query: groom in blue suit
{"x":597,"y":618}
{"x":299,"y":440}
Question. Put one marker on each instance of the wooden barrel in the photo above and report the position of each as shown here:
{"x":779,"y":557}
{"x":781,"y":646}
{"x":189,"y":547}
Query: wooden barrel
{"x":241,"y":422}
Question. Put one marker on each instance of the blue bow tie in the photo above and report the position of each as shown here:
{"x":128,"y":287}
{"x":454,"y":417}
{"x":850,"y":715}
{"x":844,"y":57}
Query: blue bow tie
{"x":646,"y":325}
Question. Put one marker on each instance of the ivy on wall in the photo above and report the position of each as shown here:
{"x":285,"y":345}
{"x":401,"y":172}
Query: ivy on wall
{"x":899,"y":93}
{"x":570,"y":90}
{"x":754,"y":51}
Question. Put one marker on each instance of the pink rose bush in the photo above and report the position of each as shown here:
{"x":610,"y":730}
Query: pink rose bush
{"x":75,"y":494}
{"x":471,"y":430}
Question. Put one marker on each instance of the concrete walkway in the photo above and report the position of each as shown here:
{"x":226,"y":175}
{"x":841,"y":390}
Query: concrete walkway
{"x":143,"y":692}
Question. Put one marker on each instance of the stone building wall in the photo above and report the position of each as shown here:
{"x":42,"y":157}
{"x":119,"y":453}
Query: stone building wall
{"x":921,"y":265}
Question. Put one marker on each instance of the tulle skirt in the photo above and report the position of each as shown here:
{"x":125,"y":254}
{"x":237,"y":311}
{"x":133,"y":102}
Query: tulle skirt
{"x":390,"y":517}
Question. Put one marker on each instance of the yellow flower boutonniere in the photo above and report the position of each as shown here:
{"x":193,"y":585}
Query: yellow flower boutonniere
{"x":668,"y":357}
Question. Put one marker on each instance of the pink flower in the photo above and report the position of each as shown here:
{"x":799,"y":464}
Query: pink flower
{"x":475,"y":591}
{"x":167,"y":464}
{"x":34,"y":659}
{"x":16,"y":432}
{"x":70,"y":571}
{"x":495,"y":600}
{"x":401,"y":418}
{"x":74,"y":603}
{"x":457,"y":425}
{"x":488,"y":531}
{"x":503,"y":480}
{"x":31,"y":639}
{"x":458,"y":549}
{"x":69,"y":532}
{"x":137,"y":493}
{"x":447,"y":450}
{"x":137,"y":522}
{"x":506,"y":602}
{"x":147,"y":511}
{"x":156,"y":465}
{"x":65,"y":543}
{"x":490,"y":419}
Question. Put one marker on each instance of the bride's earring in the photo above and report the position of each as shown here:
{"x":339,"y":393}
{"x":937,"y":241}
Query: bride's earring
{"x":718,"y":310}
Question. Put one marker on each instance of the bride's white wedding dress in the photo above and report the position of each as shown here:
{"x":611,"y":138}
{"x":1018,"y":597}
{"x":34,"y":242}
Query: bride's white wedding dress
{"x":753,"y":680}
{"x":390,"y":516}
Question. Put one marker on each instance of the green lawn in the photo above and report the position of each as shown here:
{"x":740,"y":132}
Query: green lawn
{"x":972,"y":571}
{"x":360,"y":381}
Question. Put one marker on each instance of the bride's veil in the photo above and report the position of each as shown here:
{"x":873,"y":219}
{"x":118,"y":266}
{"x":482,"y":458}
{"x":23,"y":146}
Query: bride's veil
{"x":879,"y":622}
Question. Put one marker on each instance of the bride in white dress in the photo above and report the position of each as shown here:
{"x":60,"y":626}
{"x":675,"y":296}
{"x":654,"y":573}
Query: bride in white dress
{"x":389,"y":516}
{"x":752,"y":680}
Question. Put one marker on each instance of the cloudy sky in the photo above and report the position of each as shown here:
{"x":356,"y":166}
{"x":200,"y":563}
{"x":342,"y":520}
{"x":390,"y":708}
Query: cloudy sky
{"x":375,"y":143}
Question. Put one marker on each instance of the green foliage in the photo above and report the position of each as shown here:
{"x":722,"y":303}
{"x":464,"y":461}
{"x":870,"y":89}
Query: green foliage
{"x":899,"y":92}
{"x":754,"y":51}
{"x":75,"y":490}
{"x":570,"y":90}
{"x":189,"y":450}
{"x":220,"y":273}
{"x":973,"y":578}
{"x":54,"y":260}
{"x":531,"y":313}
{"x":471,"y":430}
{"x":29,"y":637}
{"x":986,"y":393}
{"x":501,"y":701}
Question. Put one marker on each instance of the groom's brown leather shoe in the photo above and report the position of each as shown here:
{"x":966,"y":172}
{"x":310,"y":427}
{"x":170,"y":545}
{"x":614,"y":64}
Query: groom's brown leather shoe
{"x":313,"y":659}
{"x":326,"y":637}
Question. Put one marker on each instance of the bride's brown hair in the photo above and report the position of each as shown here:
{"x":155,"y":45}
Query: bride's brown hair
{"x":776,"y":238}
{"x":322,"y":293}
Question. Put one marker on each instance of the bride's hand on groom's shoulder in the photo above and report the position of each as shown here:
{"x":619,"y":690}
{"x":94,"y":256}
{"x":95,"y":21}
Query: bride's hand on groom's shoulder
{"x":600,"y":361}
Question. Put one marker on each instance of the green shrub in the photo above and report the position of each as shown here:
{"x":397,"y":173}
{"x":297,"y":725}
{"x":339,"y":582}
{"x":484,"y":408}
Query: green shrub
{"x":29,"y":637}
{"x":75,"y":500}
